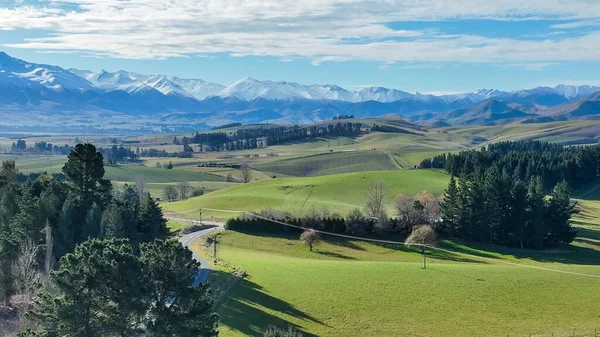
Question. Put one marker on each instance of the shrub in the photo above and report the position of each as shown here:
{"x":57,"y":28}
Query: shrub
{"x":274,"y":331}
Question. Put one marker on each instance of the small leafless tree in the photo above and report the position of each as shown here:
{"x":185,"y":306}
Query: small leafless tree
{"x":311,"y":238}
{"x":140,"y":187}
{"x":246,"y":172}
{"x":376,"y":193}
{"x":421,"y":237}
{"x":274,"y":331}
{"x":407,"y":214}
{"x":229,"y":178}
{"x":170,"y":193}
{"x":431,"y":206}
{"x":184,"y":188}
{"x":28,"y":280}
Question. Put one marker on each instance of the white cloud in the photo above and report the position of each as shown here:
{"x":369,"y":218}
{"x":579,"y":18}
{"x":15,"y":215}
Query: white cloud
{"x":530,"y":66}
{"x":320,"y":30}
{"x":577,"y":24}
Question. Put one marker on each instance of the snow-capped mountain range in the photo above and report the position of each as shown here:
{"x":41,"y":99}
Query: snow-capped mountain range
{"x":26,"y":86}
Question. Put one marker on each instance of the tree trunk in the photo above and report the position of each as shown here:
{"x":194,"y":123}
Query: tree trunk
{"x":310,"y":246}
{"x":424,"y":258}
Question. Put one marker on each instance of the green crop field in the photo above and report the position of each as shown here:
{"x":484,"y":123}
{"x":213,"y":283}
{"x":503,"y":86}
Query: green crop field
{"x":353,"y":288}
{"x":330,"y":163}
{"x":156,"y":175}
{"x":339,"y":193}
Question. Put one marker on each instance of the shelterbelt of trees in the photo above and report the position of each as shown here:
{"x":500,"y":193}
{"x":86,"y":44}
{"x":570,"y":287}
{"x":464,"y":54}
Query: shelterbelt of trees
{"x":112,"y":269}
{"x":252,"y":138}
{"x":500,"y":196}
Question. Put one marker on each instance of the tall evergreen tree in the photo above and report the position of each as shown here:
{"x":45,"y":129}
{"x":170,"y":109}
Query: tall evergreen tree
{"x":450,"y":207}
{"x":151,"y":224}
{"x":536,"y":205}
{"x":98,"y":292}
{"x":176,"y":309}
{"x":85,"y":172}
{"x":558,"y":214}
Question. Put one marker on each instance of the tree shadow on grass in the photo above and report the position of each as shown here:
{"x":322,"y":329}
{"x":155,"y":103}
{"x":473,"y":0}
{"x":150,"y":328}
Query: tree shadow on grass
{"x":431,"y":253}
{"x":567,"y":255}
{"x":242,"y":311}
{"x":335,"y":255}
{"x":344,"y":243}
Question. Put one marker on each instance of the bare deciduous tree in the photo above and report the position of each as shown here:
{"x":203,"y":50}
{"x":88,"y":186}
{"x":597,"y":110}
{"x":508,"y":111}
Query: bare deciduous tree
{"x":140,"y":187}
{"x":376,"y":193}
{"x":420,"y":237}
{"x":311,"y":238}
{"x":246,"y":172}
{"x":229,"y":178}
{"x":184,"y":188}
{"x":170,"y":193}
{"x":431,"y":206}
{"x":407,"y":214}
{"x":273,"y":331}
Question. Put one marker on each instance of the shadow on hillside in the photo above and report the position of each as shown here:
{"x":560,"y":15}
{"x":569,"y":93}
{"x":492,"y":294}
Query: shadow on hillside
{"x":431,"y":253}
{"x":335,"y":255}
{"x":321,"y":138}
{"x":345,"y":243}
{"x":567,"y":255}
{"x":246,"y":310}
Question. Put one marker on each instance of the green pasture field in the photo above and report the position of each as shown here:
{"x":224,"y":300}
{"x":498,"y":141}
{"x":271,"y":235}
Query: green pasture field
{"x":354,"y":288}
{"x":339,"y":193}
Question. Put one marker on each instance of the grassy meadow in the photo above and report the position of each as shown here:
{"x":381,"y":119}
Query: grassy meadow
{"x":339,"y":193}
{"x":353,"y":288}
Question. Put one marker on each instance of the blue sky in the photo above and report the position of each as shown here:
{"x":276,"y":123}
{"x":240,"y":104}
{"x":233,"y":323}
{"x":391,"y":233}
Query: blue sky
{"x":413,"y":45}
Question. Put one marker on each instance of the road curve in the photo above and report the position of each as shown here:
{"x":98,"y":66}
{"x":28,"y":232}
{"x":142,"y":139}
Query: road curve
{"x":187,"y":240}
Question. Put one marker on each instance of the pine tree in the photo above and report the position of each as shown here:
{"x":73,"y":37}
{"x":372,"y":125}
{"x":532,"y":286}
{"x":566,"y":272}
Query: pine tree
{"x":151,"y":224}
{"x":171,"y":269}
{"x":558,"y":213}
{"x":98,"y":292}
{"x":85,"y":173}
{"x":516,"y":226}
{"x":450,"y":209}
{"x":536,"y":207}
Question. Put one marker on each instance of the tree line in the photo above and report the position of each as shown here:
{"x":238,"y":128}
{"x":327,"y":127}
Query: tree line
{"x":113,"y":272}
{"x":39,"y":147}
{"x":252,"y":138}
{"x":526,"y":160}
{"x":492,"y":207}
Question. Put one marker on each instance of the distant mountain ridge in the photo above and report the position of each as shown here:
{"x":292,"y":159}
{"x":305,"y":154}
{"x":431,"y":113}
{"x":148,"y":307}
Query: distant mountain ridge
{"x":58,"y":93}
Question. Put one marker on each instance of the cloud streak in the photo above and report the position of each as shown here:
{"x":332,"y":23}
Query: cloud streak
{"x":318,"y":30}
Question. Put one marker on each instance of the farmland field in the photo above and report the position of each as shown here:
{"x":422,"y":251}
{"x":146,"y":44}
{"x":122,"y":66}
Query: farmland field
{"x":345,"y":288}
{"x":339,"y":193}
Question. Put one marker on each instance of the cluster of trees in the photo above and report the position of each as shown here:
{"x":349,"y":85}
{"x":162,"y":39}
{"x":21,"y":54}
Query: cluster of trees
{"x":221,"y":141}
{"x":116,"y":154}
{"x":343,"y":117}
{"x":39,"y":147}
{"x":387,"y":128}
{"x":492,"y":207}
{"x":129,"y":281}
{"x":111,"y":287}
{"x":151,"y":152}
{"x":280,"y":135}
{"x":525,"y":161}
{"x":181,"y":191}
{"x":252,"y":138}
{"x":225,"y":126}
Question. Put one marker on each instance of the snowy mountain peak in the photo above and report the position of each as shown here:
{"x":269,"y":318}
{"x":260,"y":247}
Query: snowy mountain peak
{"x":488,"y":92}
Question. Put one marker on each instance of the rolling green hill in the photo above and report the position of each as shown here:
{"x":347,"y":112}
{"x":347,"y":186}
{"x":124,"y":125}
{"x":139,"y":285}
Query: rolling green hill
{"x":352,"y":288}
{"x":339,"y":193}
{"x":330,"y":163}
